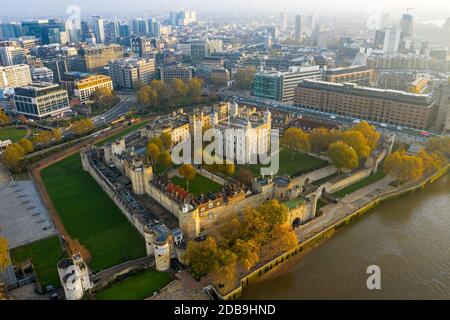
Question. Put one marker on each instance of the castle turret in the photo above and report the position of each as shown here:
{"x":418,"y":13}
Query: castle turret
{"x":74,"y":275}
{"x":162,"y":252}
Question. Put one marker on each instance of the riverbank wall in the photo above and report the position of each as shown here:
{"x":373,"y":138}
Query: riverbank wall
{"x":327,"y":233}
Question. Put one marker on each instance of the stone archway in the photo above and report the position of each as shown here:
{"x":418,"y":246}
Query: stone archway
{"x":296,"y":223}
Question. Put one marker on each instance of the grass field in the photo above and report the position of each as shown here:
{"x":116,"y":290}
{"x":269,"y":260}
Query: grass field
{"x":44,"y":254}
{"x":360,"y":184}
{"x":291,"y":163}
{"x":198,"y":185}
{"x":123,"y":133}
{"x":13,"y":134}
{"x":137,"y":287}
{"x":90,"y":216}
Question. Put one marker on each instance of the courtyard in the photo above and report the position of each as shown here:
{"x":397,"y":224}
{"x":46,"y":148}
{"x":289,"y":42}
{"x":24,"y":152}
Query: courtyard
{"x":197,"y":186}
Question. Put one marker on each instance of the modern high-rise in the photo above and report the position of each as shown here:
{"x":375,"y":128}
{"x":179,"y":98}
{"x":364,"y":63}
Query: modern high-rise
{"x":10,"y":56}
{"x":48,"y":30}
{"x":10,"y":30}
{"x":40,"y":100}
{"x":182,"y":18}
{"x":283,"y":22}
{"x":58,"y":65}
{"x":387,"y":40}
{"x":99,"y":29}
{"x":128,"y":73}
{"x":15,"y":76}
{"x":406,"y":25}
{"x":140,"y":27}
{"x":280,"y":86}
{"x":398,"y":108}
{"x":298,"y":31}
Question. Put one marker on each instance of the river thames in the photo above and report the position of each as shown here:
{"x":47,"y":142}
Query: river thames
{"x":407,"y":237}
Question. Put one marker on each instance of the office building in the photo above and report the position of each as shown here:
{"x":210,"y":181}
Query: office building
{"x":42,"y":74}
{"x":298,"y":31}
{"x":10,"y":30}
{"x":406,"y":25}
{"x":83,"y":85}
{"x":99,"y":29}
{"x":15,"y":76}
{"x":40,"y":100}
{"x":10,"y":56}
{"x":282,"y":25}
{"x":182,"y":18}
{"x":398,"y":62}
{"x":94,"y":59}
{"x":140,"y":27}
{"x":48,"y":31}
{"x":384,"y":106}
{"x":169,"y":73}
{"x":361,"y":75}
{"x":141,"y":46}
{"x":387,"y":40}
{"x":280,"y":86}
{"x":128,"y":73}
{"x":58,"y":65}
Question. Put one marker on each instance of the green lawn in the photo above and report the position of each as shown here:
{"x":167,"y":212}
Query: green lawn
{"x":44,"y":254}
{"x":291,"y":163}
{"x":13,"y":134}
{"x":123,"y":133}
{"x":90,"y":216}
{"x":137,"y":287}
{"x":198,"y":185}
{"x":360,"y":184}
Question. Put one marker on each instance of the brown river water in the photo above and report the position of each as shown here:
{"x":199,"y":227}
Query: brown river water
{"x":407,"y":237}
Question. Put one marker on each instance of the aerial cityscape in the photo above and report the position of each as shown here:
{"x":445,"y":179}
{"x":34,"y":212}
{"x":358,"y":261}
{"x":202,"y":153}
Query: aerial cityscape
{"x":210,"y":150}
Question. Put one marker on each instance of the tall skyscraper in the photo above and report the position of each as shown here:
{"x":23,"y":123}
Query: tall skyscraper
{"x":310,"y":21}
{"x":140,"y":27}
{"x":298,"y":28}
{"x":10,"y":30}
{"x":99,"y":29}
{"x":283,"y":22}
{"x":406,"y":25}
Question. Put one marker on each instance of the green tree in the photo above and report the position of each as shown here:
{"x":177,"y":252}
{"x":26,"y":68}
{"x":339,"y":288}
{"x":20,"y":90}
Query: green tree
{"x":165,"y":159}
{"x":244,"y":78}
{"x":187,"y":171}
{"x":166,"y":139}
{"x":158,"y":142}
{"x":194,"y":89}
{"x":343,"y":156}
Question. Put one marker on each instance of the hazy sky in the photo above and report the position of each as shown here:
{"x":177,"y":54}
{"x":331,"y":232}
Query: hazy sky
{"x":433,"y":8}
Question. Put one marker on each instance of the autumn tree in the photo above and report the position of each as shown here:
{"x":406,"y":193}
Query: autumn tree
{"x":57,"y":134}
{"x":202,"y":256}
{"x":439,"y":144}
{"x":153,"y":152}
{"x":179,"y":88}
{"x":158,"y":142}
{"x":358,"y":142}
{"x":245,"y":176}
{"x":284,"y":237}
{"x":12,"y":156}
{"x":343,"y":156}
{"x":403,"y":167}
{"x":194,"y":89}
{"x":43,"y":137}
{"x":4,"y":256}
{"x":247,"y":253}
{"x":26,"y":145}
{"x":296,"y":139}
{"x":320,"y":139}
{"x":187,"y":171}
{"x":225,"y":269}
{"x":432,"y":162}
{"x":370,"y":132}
{"x":166,"y":139}
{"x":4,"y":119}
{"x":82,"y":126}
{"x":273,"y":212}
{"x":165,"y":159}
{"x":244,"y":78}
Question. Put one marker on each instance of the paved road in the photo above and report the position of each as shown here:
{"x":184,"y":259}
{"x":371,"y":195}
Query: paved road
{"x":116,"y":112}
